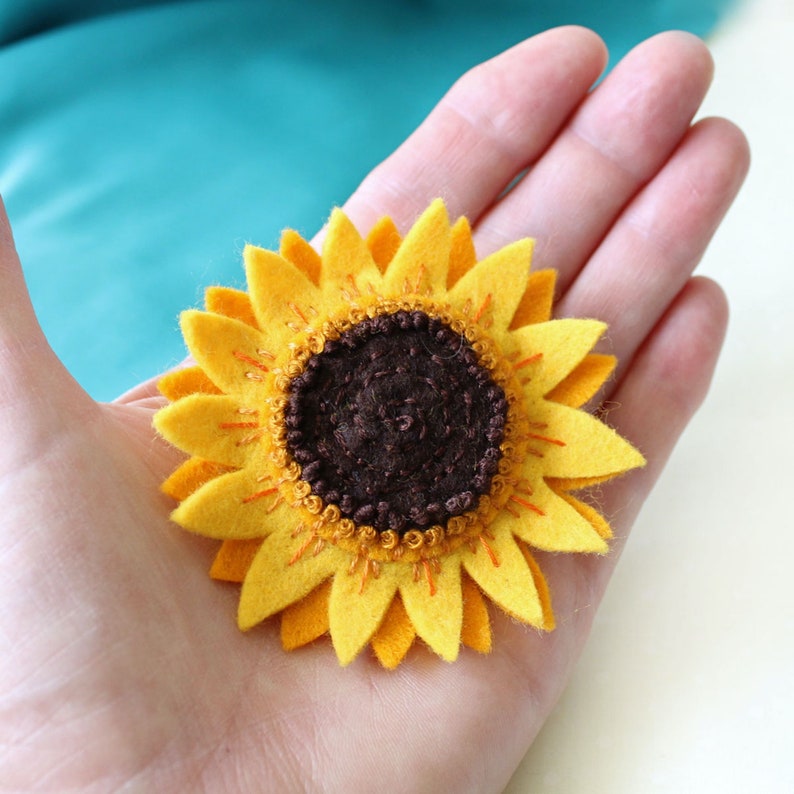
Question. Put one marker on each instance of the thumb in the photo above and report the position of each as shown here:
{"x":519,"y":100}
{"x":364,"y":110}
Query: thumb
{"x":17,"y":319}
{"x":31,"y":376}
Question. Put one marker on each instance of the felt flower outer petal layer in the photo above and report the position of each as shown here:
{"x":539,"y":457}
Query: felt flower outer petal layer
{"x":284,"y":544}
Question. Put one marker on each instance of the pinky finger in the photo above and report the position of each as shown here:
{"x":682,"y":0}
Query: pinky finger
{"x":663,"y":389}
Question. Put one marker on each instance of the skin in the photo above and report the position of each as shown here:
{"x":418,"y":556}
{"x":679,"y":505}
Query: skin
{"x":121,"y":666}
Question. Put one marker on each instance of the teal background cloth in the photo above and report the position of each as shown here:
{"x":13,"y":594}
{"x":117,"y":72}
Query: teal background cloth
{"x":143,"y":143}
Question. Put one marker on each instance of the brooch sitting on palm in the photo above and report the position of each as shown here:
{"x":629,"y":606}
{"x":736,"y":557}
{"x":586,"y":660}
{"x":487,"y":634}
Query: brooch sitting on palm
{"x":383,"y":434}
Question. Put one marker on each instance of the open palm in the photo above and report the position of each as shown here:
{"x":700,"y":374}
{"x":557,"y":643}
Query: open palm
{"x":121,"y":662}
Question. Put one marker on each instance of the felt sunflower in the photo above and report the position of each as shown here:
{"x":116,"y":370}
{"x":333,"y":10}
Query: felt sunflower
{"x":381,"y":434}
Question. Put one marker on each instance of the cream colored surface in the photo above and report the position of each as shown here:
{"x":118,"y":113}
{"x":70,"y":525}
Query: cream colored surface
{"x":687,"y":683}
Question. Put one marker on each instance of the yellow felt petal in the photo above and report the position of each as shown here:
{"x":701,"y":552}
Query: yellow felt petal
{"x":493,"y":287}
{"x":383,"y":241}
{"x":357,"y":607}
{"x":560,"y":345}
{"x":502,"y":573}
{"x":394,"y":636}
{"x":476,"y":630}
{"x":552,"y":524}
{"x":232,"y":303}
{"x":588,"y":448}
{"x":190,"y":476}
{"x":584,"y":382}
{"x":549,"y":621}
{"x":234,"y":506}
{"x":181,"y":382}
{"x":422,"y":260}
{"x":233,"y":559}
{"x":462,"y":256}
{"x":347,"y":262}
{"x":232,"y":353}
{"x":282,"y":295}
{"x":538,"y":299}
{"x":209,"y":426}
{"x":276,"y":579}
{"x":435,"y":605}
{"x":295,"y":249}
{"x":307,"y":619}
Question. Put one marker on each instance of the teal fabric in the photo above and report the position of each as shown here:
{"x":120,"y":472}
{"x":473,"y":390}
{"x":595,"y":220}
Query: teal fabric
{"x":143,"y":143}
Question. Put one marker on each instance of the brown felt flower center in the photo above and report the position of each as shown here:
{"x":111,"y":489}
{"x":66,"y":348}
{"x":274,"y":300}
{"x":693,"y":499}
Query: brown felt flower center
{"x":397,"y":423}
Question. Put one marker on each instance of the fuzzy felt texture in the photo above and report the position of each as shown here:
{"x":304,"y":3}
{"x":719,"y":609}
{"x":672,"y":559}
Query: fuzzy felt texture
{"x":341,"y":385}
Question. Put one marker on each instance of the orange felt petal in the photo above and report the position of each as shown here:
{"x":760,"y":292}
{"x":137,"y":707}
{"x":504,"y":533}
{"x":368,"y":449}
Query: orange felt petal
{"x":536,"y":302}
{"x":190,"y":476}
{"x":560,"y":484}
{"x":296,"y":250}
{"x":394,"y":636}
{"x":230,"y":303}
{"x":233,"y":559}
{"x":542,"y":586}
{"x":476,"y":629}
{"x":306,"y":620}
{"x":183,"y":382}
{"x":462,"y":256}
{"x":383,"y":241}
{"x":589,"y":513}
{"x":584,"y":382}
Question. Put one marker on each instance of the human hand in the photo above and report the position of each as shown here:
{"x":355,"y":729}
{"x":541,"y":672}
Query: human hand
{"x":122,"y":664}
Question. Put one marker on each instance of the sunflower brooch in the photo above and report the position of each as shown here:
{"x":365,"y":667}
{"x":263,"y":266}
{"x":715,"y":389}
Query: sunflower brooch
{"x":380,"y":436}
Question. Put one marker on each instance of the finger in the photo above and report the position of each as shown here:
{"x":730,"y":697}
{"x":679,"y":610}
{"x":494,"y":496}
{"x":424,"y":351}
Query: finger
{"x":663,"y":389}
{"x":619,"y":138}
{"x":658,"y":397}
{"x":147,"y":394}
{"x":653,"y":248}
{"x":493,"y":122}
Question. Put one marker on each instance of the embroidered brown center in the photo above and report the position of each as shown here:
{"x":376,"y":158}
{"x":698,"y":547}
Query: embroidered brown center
{"x":397,"y":423}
